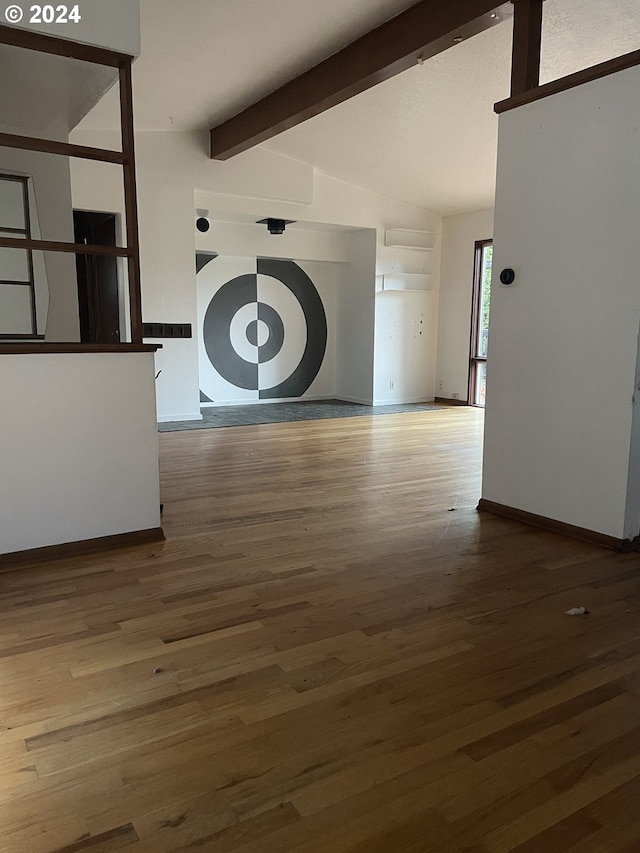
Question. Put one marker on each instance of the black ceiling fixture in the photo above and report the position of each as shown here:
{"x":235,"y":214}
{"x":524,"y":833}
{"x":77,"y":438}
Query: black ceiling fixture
{"x":275,"y":226}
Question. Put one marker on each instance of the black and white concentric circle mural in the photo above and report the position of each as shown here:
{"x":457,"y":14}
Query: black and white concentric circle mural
{"x":263,"y":328}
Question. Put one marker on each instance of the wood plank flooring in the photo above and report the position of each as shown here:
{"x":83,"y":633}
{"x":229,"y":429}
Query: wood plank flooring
{"x":333,"y":651}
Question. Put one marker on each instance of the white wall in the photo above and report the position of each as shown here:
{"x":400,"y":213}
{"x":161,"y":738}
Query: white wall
{"x":51,"y":184}
{"x":258,"y":183}
{"x":356,"y":311}
{"x":89,"y":466}
{"x":561,"y":421}
{"x":328,"y":279}
{"x":406,"y":329}
{"x":247,"y":239}
{"x":459,"y":236}
{"x":407,"y":320}
{"x":114,"y":24}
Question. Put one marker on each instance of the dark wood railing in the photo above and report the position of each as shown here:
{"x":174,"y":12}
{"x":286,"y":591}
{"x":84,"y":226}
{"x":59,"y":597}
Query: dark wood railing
{"x":126,"y":158}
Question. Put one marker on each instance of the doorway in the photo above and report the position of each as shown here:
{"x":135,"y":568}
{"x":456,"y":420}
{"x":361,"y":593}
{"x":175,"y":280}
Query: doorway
{"x":98,"y":285}
{"x":480,"y":322}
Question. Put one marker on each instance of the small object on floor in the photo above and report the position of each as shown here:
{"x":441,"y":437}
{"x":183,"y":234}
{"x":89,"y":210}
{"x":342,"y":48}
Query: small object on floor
{"x":453,"y":509}
{"x":157,"y":670}
{"x":577,"y":611}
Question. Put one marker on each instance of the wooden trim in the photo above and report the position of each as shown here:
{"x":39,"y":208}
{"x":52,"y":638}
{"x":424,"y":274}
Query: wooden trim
{"x":561,"y":527}
{"x":579,"y":78}
{"x":30,"y":40}
{"x":473,"y":329}
{"x":56,"y":246}
{"x":416,"y":34}
{"x":32,"y":274}
{"x":451,"y":401}
{"x":130,"y":200}
{"x":49,"y":348}
{"x":50,"y":146}
{"x":12,"y":230}
{"x":21,"y":338}
{"x":17,"y":559}
{"x":527,"y":39}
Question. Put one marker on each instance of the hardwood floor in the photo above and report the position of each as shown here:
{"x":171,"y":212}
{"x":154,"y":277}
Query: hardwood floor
{"x":333,"y":651}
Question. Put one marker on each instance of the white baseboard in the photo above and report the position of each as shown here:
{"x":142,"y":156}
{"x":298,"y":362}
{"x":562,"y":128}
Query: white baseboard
{"x":404,"y":401}
{"x":167,"y":419}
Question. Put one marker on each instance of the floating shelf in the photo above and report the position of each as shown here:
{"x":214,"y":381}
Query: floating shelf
{"x":403,"y":238}
{"x":407,"y":281}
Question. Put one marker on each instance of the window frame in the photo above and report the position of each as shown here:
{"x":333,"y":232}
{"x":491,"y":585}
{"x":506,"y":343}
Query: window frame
{"x":24,"y":233}
{"x":476,"y":360}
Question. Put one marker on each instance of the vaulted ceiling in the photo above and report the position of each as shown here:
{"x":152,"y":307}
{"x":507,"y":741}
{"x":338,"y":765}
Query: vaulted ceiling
{"x":428,"y":136}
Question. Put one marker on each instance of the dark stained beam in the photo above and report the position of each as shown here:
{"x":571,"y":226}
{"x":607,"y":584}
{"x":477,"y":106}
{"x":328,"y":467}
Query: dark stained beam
{"x":563,"y":84}
{"x":527,"y":38}
{"x":58,"y":246}
{"x":61,"y":47}
{"x":420,"y":32}
{"x":67,"y":149}
{"x":130,"y":200}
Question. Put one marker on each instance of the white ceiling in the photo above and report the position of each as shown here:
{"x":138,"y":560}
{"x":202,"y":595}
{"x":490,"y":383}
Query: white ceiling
{"x":203,"y":61}
{"x":427,"y":136}
{"x":41,"y":91}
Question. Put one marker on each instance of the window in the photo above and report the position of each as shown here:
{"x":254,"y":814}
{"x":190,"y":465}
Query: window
{"x":480,"y":322}
{"x":17,"y":285}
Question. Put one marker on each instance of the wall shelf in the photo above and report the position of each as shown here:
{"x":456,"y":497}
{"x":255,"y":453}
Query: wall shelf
{"x":418,"y":282}
{"x":404,"y":238}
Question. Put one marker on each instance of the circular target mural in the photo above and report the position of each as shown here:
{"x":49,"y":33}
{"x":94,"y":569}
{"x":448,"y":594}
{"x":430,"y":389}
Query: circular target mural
{"x":266,"y":331}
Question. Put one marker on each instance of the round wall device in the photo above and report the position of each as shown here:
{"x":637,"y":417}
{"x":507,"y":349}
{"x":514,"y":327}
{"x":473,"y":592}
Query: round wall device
{"x":507,"y":276}
{"x":203,"y":224}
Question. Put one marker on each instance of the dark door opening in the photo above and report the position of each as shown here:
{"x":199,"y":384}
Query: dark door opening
{"x":98,"y":301}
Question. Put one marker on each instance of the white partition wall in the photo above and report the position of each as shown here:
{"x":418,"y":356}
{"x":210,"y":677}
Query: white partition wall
{"x":561,"y":416}
{"x":79,"y":448}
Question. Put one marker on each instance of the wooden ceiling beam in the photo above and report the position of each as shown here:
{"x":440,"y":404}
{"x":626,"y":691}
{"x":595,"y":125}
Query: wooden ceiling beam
{"x":420,"y":32}
{"x":527,"y":40}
